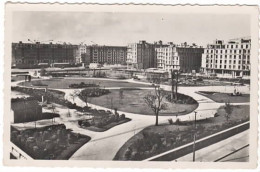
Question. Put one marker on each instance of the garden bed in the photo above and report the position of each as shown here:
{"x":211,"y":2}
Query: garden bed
{"x":108,"y":126}
{"x":225,"y":97}
{"x":83,"y":85}
{"x":51,"y":142}
{"x":154,"y":140}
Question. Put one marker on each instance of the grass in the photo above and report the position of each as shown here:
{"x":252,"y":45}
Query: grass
{"x":224,"y":97}
{"x":133,"y":102}
{"x":64,"y":83}
{"x":209,"y":126}
{"x":107,"y":127}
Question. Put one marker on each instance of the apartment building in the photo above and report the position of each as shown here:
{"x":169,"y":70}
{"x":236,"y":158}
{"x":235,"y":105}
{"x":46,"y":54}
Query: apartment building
{"x":32,"y":54}
{"x":184,"y":57}
{"x":105,"y":54}
{"x":141,"y":55}
{"x":228,"y":60}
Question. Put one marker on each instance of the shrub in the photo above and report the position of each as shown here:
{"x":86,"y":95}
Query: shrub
{"x":112,"y":118}
{"x":85,"y":123}
{"x":170,"y":121}
{"x":178,"y":121}
{"x":80,"y":122}
{"x":121,"y":77}
{"x":122,"y":117}
{"x":116,"y":117}
{"x":128,"y":153}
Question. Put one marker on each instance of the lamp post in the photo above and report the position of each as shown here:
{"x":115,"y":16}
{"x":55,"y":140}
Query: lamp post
{"x":194,"y":137}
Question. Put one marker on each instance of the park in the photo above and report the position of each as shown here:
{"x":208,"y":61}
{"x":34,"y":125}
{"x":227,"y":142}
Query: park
{"x":120,"y":119}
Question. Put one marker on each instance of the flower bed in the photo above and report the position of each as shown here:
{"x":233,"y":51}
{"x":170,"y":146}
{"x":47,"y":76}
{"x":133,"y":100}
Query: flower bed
{"x":51,"y":142}
{"x":93,"y":92}
{"x":83,"y":85}
{"x":103,"y":123}
{"x":182,"y":99}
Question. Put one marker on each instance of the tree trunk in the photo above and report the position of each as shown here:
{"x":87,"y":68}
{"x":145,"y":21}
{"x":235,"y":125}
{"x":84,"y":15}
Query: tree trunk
{"x":176,"y":86}
{"x":156,"y":120}
{"x":172,"y":95}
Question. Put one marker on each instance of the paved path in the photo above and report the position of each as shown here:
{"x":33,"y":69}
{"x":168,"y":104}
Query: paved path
{"x":104,"y":145}
{"x":220,"y":149}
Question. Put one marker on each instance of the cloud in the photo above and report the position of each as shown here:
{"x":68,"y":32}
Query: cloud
{"x":121,"y":28}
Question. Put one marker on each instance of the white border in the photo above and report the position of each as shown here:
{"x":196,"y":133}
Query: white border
{"x":152,"y":1}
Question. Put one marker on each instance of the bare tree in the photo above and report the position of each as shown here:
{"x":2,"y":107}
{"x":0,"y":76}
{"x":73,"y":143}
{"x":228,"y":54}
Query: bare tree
{"x":228,"y":109}
{"x":121,"y":96}
{"x":174,"y":84}
{"x":53,"y":109}
{"x":74,"y":94}
{"x":85,"y":94}
{"x":154,"y":101}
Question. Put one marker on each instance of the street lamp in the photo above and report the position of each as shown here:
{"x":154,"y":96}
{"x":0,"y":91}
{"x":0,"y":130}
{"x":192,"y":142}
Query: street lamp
{"x":194,"y":137}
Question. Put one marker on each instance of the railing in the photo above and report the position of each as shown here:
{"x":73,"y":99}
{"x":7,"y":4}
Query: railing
{"x":18,"y":153}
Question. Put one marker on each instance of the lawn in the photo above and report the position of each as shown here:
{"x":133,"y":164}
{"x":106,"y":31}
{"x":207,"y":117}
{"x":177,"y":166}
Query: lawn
{"x":224,"y":97}
{"x":154,"y":140}
{"x":65,"y":83}
{"x":132,"y":101}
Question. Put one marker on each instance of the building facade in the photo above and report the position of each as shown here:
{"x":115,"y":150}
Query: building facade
{"x":184,"y":58}
{"x":81,"y":50}
{"x":228,"y":60}
{"x":105,"y":55}
{"x":141,"y":55}
{"x":33,"y":54}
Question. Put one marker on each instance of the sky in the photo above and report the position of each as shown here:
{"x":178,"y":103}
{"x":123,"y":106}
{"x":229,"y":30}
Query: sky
{"x":123,"y":28}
